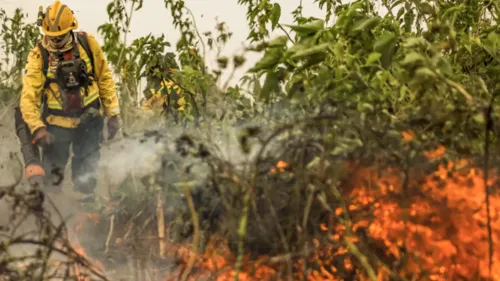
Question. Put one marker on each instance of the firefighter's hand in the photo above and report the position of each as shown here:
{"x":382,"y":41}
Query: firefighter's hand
{"x":113,"y":127}
{"x":43,"y":137}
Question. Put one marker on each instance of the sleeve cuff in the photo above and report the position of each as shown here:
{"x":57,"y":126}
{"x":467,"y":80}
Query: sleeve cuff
{"x":37,"y":126}
{"x":113,"y":112}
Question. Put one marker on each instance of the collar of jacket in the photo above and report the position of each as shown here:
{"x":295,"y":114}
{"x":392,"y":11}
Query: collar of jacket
{"x":50,"y":46}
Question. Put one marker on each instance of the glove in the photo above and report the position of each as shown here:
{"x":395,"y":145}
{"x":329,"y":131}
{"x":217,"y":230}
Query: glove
{"x":43,"y":137}
{"x":113,"y":127}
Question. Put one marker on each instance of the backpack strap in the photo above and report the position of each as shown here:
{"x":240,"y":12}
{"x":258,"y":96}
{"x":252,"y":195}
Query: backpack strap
{"x":45,"y":64}
{"x":45,"y":58}
{"x":84,"y":41}
{"x":45,"y":68}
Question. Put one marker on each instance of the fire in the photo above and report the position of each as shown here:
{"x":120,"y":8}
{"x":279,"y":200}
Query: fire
{"x":432,"y":228}
{"x":408,"y":136}
{"x":447,"y":240}
{"x":218,"y":261}
{"x":82,"y":274}
{"x":445,"y":231}
{"x":279,"y":167}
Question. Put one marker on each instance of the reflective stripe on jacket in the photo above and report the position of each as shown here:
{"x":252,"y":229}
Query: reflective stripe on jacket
{"x":102,"y":91}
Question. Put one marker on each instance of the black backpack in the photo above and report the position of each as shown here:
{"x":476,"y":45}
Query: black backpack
{"x":84,"y":42}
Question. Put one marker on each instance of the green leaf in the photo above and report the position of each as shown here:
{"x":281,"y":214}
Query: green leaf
{"x":256,"y":86}
{"x":338,"y":50}
{"x":396,"y":3}
{"x":313,"y":60}
{"x":483,"y":85}
{"x":416,"y":42}
{"x":321,"y":48}
{"x":467,"y":42}
{"x":400,"y":13}
{"x":346,"y":145}
{"x":308,"y":28}
{"x":424,"y":72}
{"x":426,"y":8}
{"x":222,"y":62}
{"x":402,"y":92}
{"x":270,"y":85}
{"x":271,"y":58}
{"x":140,"y":5}
{"x":301,"y":45}
{"x":373,"y":57}
{"x":445,"y":66}
{"x":275,"y":15}
{"x":412,"y":58}
{"x":314,"y":163}
{"x":479,"y":118}
{"x":238,"y":61}
{"x":365,"y":107}
{"x":340,"y":149}
{"x":366,"y":24}
{"x":386,"y":45}
{"x":454,"y":9}
{"x":490,"y":44}
{"x":494,"y":38}
{"x":278,"y":41}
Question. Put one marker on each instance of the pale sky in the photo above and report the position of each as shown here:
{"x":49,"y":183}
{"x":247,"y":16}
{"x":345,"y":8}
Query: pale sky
{"x":156,"y":19}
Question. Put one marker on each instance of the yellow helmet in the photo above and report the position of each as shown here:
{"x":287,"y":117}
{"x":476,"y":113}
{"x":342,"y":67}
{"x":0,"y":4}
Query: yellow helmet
{"x":58,"y":20}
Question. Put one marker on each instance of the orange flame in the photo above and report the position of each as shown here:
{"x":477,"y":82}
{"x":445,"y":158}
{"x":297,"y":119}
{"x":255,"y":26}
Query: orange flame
{"x":79,"y":249}
{"x":435,"y":224}
{"x":442,"y":231}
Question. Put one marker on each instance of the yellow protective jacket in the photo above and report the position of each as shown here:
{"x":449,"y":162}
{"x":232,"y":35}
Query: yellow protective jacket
{"x":157,"y":99}
{"x":101,"y":91}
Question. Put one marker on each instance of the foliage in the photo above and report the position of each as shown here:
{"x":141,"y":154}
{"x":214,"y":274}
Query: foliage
{"x":17,"y":39}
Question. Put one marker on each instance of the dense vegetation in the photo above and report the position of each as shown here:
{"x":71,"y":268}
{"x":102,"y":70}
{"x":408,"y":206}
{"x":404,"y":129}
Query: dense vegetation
{"x":366,"y":148}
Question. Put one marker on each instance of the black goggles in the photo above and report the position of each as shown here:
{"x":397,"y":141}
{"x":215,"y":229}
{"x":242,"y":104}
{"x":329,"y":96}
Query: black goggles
{"x":57,"y":39}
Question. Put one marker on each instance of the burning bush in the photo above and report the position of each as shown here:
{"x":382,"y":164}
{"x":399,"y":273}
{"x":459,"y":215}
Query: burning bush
{"x":292,"y":212}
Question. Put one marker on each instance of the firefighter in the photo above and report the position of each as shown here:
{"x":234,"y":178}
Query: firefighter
{"x":160,"y":96}
{"x":67,"y":92}
{"x":160,"y":91}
